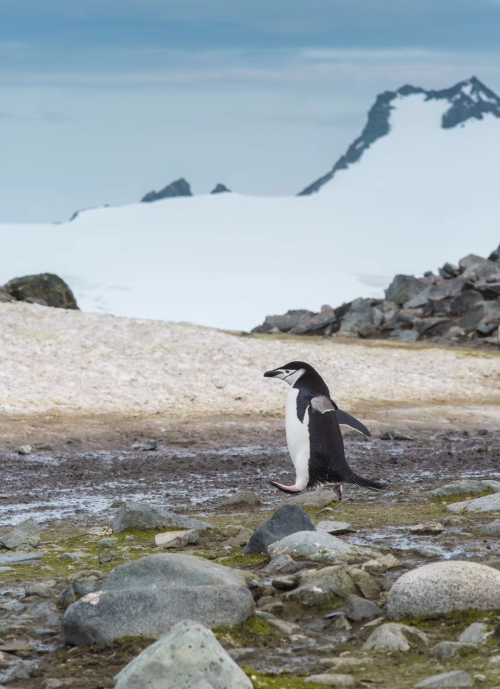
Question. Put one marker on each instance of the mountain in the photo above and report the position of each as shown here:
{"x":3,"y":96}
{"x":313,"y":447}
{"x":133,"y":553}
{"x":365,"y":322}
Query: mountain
{"x":418,"y":188}
{"x":467,"y":100}
{"x":178,"y":188}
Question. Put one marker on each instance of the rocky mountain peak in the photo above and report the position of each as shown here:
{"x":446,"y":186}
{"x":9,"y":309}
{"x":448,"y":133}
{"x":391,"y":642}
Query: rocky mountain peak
{"x":178,"y":188}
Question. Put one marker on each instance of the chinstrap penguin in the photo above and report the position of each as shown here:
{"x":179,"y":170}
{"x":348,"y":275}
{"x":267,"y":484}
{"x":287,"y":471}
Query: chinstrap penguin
{"x":313,"y":432}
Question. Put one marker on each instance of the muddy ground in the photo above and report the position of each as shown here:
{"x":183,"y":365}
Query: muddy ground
{"x":81,"y":469}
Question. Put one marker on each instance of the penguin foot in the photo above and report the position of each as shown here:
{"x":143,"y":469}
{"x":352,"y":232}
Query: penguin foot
{"x":338,"y":491}
{"x":285,"y":489}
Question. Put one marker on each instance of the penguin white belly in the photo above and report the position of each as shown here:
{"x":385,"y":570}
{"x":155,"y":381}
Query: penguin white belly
{"x":297,"y":437}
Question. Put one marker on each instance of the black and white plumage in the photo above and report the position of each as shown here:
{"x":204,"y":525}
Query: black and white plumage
{"x":313,"y":432}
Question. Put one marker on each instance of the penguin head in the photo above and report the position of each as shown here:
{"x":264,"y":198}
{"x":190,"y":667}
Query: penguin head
{"x":290,"y":373}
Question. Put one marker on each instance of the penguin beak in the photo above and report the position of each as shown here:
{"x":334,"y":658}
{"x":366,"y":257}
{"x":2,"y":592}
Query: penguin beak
{"x":272,"y":374}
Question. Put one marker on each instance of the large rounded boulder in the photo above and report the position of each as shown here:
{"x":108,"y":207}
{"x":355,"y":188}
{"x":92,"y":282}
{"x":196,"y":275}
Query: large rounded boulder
{"x":444,"y":587}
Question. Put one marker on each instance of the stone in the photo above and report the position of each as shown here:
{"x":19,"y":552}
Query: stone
{"x":358,"y":320}
{"x":84,"y":586}
{"x":5,"y":296}
{"x":74,"y":557}
{"x":394,"y":637}
{"x":317,"y":323}
{"x":458,"y":487}
{"x":324,"y":587}
{"x":369,"y":586}
{"x":284,"y":323}
{"x":107,"y":615}
{"x":429,"y":528}
{"x":455,"y":678}
{"x":177,"y":539}
{"x":447,"y":649}
{"x":284,"y":583}
{"x":287,"y":519}
{"x":283,"y":564}
{"x":358,"y":609}
{"x":138,"y":515}
{"x":394,"y":434}
{"x":284,"y":627}
{"x":164,"y":570}
{"x":245,"y":498}
{"x":319,"y":546}
{"x":188,"y":657}
{"x":318,"y":498}
{"x":464,"y":301}
{"x":47,"y":287}
{"x":381,"y":564}
{"x":331,"y":680}
{"x":178,"y":188}
{"x":25,"y":533}
{"x":41,"y":589}
{"x":486,"y":309}
{"x":492,"y":529}
{"x":24,"y":450}
{"x":240,"y":538}
{"x":66,"y":597}
{"x":20,"y":558}
{"x":474,"y":634}
{"x":449,"y":270}
{"x":334,"y":527}
{"x":440,"y":588}
{"x":403,"y":288}
{"x":488,"y":503}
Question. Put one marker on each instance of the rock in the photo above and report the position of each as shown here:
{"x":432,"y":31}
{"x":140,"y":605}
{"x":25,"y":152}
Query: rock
{"x":492,"y":529}
{"x":287,"y":628}
{"x":449,"y":270}
{"x":84,"y":586}
{"x":369,"y":586}
{"x":464,"y":301}
{"x":5,"y":296}
{"x":284,"y":583}
{"x":178,"y":188}
{"x":325,"y":587}
{"x":164,"y":570}
{"x":458,"y":487}
{"x":469,"y":261}
{"x":138,"y":515}
{"x":319,"y":546}
{"x":358,"y":320}
{"x":334,"y":527}
{"x":106,"y":615}
{"x":242,"y":498}
{"x":317,"y":323}
{"x":46,"y":287}
{"x":474,"y":634}
{"x":381,"y":564}
{"x":483,"y":310}
{"x":455,"y":678}
{"x":103,"y":558}
{"x":240,"y":538}
{"x":429,"y":528}
{"x":74,"y":557}
{"x":42,"y":590}
{"x":284,"y":323}
{"x":447,"y":649}
{"x":66,"y":598}
{"x":444,"y":587}
{"x":283,"y":564}
{"x":403,"y":288}
{"x":348,"y":663}
{"x":394,"y":434}
{"x":394,"y":637}
{"x":20,"y":558}
{"x":287,"y":519}
{"x":220,"y":189}
{"x":146,"y":446}
{"x":358,"y":609}
{"x":331,"y":680}
{"x":177,"y":539}
{"x":25,"y":533}
{"x":188,"y":657}
{"x":318,"y":498}
{"x":488,"y":503}
{"x":24,"y":450}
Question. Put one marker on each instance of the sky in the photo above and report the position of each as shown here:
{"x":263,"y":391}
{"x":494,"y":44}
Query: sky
{"x":102,"y":101}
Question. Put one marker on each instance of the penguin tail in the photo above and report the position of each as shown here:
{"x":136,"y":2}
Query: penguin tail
{"x":366,"y":482}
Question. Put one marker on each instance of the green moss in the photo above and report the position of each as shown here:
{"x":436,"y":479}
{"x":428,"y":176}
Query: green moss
{"x":253,"y":632}
{"x":461,"y":497}
{"x":263,"y":680}
{"x":458,"y":620}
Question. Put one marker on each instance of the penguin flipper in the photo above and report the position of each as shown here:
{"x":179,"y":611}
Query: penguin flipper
{"x":322,"y":403}
{"x":346,"y":419}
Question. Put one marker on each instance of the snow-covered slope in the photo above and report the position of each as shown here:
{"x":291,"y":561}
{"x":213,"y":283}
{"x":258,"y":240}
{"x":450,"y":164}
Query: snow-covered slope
{"x":420,"y":194}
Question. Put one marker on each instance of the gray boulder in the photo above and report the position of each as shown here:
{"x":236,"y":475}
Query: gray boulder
{"x":447,"y":649}
{"x":358,"y":609}
{"x":455,"y":678}
{"x":45,"y":288}
{"x":449,"y":270}
{"x":5,"y":296}
{"x":332,"y":680}
{"x":178,"y":188}
{"x":334,"y":527}
{"x":284,"y":323}
{"x":403,"y":288}
{"x":166,"y":570}
{"x":316,"y":323}
{"x":444,"y":587}
{"x":288,"y":519}
{"x":188,"y":657}
{"x":25,"y":533}
{"x":243,"y":498}
{"x":483,"y":310}
{"x":104,"y":616}
{"x":492,"y":529}
{"x":138,"y":515}
{"x":394,"y":637}
{"x":326,"y":586}
{"x":358,"y":320}
{"x":21,"y":558}
{"x":283,"y":564}
{"x":458,"y":487}
{"x":316,"y":498}
{"x":319,"y":546}
{"x":474,"y":634}
{"x":488,"y":503}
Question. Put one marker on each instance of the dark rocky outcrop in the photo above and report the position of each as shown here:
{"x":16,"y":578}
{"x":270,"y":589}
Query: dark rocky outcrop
{"x":220,"y":189}
{"x":178,"y":188}
{"x":460,"y":305}
{"x":45,"y":289}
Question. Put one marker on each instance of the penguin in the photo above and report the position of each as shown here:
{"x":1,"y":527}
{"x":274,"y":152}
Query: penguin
{"x":313,"y":432}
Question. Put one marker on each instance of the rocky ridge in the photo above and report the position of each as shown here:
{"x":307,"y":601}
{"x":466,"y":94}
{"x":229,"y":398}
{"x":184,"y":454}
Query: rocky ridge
{"x":461,"y":304}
